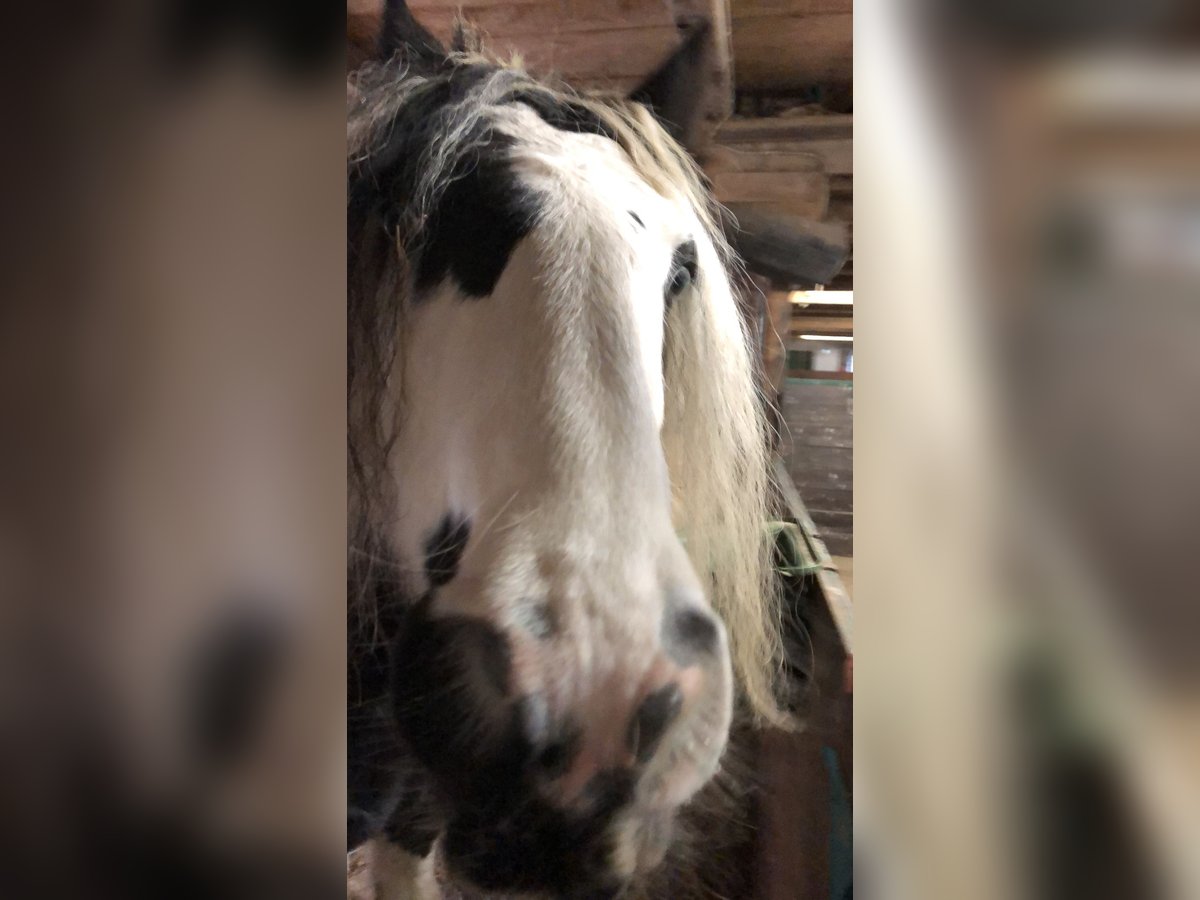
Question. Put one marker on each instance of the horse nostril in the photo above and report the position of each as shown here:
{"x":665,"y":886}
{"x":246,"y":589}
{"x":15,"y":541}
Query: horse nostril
{"x":692,"y":633}
{"x":554,"y":749}
{"x":556,"y":758}
{"x":652,"y":719}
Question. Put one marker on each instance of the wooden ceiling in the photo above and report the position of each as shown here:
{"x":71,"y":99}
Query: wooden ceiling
{"x":782,"y":45}
{"x":592,"y":44}
{"x":778,"y":45}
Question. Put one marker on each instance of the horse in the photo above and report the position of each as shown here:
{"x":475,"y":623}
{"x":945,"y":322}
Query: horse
{"x":561,"y":599}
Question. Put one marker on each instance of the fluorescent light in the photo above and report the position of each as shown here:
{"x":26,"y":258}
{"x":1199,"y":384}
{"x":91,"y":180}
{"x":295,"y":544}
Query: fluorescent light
{"x":826,"y":337}
{"x":822,"y":298}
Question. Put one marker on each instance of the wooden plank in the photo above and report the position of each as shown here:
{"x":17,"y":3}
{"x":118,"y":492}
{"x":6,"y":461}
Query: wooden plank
{"x":567,"y":9}
{"x":837,"y":460}
{"x":840,"y":544}
{"x":829,"y":138}
{"x":818,"y":428}
{"x":835,"y":433}
{"x":793,"y":857}
{"x":598,"y":56}
{"x":841,"y":209}
{"x":836,"y":498}
{"x":615,"y":86}
{"x":809,"y":189}
{"x":749,"y":9}
{"x":822,"y":436}
{"x":785,"y":52}
{"x":825,"y":404}
{"x":723,"y":158}
{"x":831,"y":519}
{"x":821,"y":325}
{"x":820,"y":477}
{"x":604,"y":44}
{"x":788,"y":129}
{"x":836,"y":155}
{"x":812,"y":212}
{"x":540,"y":19}
{"x":799,"y":812}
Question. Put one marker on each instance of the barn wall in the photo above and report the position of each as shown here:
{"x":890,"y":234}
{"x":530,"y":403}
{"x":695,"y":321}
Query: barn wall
{"x":820,"y":455}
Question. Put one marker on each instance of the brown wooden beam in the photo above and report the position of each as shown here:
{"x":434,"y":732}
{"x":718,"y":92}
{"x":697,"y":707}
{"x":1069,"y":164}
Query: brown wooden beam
{"x":787,"y":52}
{"x":829,"y":138}
{"x":805,"y":324}
{"x":774,"y":247}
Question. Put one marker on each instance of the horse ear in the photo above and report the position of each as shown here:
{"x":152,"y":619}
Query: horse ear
{"x":403,"y":35}
{"x":467,"y":37}
{"x":674,"y":92}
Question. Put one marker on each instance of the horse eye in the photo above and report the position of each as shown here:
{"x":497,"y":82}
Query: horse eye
{"x":683,"y":270}
{"x":681,"y":277}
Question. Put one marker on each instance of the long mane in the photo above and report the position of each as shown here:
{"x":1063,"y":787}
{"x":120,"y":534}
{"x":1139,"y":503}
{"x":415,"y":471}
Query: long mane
{"x":714,"y":433}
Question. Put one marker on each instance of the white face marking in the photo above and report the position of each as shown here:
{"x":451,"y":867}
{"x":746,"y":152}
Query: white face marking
{"x":593,"y":170}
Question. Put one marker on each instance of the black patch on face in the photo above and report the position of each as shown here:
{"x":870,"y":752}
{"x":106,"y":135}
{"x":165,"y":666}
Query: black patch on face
{"x":637,"y":219}
{"x":360,"y":826}
{"x":449,"y":691}
{"x":444,"y":549}
{"x":690,"y":635}
{"x":468,"y":225}
{"x":489,"y":757}
{"x":483,"y":214}
{"x":388,"y":598}
{"x":415,"y":821}
{"x":415,"y":839}
{"x":652,"y":719}
{"x":609,"y":790}
{"x":539,"y":849}
{"x":539,"y":620}
{"x":684,"y":270}
{"x":491,"y":653}
{"x":374,"y":752}
{"x":556,"y":756}
{"x":565,"y":115}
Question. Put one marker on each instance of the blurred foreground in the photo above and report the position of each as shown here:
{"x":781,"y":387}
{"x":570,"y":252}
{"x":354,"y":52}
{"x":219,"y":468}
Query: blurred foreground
{"x":1028,"y":665}
{"x":172,"y":531}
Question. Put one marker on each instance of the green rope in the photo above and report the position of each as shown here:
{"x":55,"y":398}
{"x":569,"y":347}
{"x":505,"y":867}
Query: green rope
{"x":797,"y":554}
